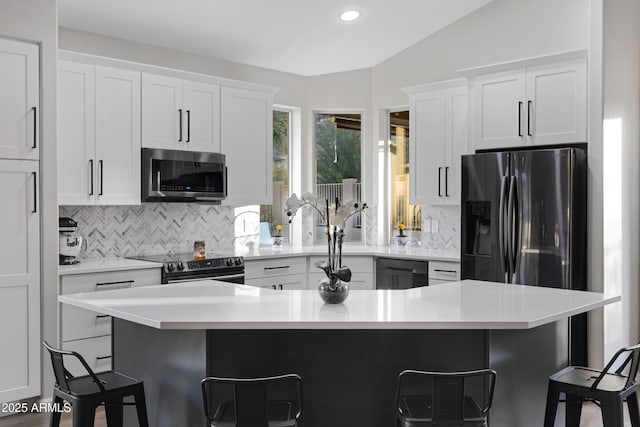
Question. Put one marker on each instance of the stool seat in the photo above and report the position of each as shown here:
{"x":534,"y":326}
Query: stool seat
{"x":279,"y":414}
{"x":609,"y":389}
{"x":86,"y":392}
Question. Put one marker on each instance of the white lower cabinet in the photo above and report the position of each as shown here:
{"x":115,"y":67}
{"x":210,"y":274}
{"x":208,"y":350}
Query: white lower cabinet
{"x":88,"y":332}
{"x":443,"y":272}
{"x":277,"y":273}
{"x":361,"y":271}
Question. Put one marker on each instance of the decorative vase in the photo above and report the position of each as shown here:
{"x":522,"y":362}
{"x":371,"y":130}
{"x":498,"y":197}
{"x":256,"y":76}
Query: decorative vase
{"x":401,"y":240}
{"x":333,"y":293}
{"x":277,"y":241}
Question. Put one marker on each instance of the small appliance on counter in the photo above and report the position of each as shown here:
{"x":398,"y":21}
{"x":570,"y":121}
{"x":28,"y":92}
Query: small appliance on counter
{"x":70,"y":243}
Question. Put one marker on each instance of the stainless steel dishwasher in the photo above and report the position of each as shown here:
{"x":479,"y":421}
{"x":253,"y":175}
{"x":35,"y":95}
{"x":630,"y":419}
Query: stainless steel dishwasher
{"x":392,"y":273}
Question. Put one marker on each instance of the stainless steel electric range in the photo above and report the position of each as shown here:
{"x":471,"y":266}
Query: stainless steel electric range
{"x":183,"y":267}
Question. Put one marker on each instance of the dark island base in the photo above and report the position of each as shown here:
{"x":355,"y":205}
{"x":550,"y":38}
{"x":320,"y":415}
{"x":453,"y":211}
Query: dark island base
{"x":349,"y":376}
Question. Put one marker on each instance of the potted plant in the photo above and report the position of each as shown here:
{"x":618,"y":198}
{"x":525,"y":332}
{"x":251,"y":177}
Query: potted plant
{"x":277,"y":239}
{"x":401,"y":238}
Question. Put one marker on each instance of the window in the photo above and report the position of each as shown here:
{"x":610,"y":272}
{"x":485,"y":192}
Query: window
{"x":400,"y":211}
{"x":274,"y":214}
{"x":338,"y":166}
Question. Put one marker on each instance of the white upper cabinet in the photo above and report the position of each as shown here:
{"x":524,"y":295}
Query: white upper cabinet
{"x":19,"y":102}
{"x":19,"y":280}
{"x":98,"y":135}
{"x":180,"y":114}
{"x":246,"y":140}
{"x":541,"y":104}
{"x":438,"y":137}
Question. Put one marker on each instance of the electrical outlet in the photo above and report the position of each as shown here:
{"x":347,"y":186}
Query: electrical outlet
{"x":426,"y":226}
{"x":434,"y":225}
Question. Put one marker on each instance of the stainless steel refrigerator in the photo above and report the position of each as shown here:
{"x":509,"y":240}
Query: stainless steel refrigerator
{"x":524,"y":221}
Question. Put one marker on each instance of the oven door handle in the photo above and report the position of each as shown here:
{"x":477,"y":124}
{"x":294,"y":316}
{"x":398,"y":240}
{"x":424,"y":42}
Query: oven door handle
{"x":199,"y":279}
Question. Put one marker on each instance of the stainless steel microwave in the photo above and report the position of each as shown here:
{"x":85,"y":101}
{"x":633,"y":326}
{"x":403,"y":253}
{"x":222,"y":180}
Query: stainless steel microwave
{"x":183,"y":176}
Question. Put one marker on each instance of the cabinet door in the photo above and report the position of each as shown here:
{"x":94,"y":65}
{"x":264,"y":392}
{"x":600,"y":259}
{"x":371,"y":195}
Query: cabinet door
{"x":426,"y":159}
{"x":162,"y":115}
{"x":19,"y":280}
{"x":456,"y":142}
{"x":500,"y":110}
{"x":202,"y":116}
{"x":19,"y":103}
{"x":557,"y":103}
{"x":246,"y":140}
{"x":117,"y":136}
{"x":76,"y":134}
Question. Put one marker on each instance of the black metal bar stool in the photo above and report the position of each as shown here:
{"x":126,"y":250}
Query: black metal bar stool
{"x":607,"y":389}
{"x":253,"y":402}
{"x":86,"y":392}
{"x":443,"y":398}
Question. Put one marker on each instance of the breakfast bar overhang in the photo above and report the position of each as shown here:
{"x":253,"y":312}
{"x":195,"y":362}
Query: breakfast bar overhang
{"x":349,"y":355}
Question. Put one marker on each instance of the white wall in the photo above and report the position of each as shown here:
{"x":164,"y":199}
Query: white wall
{"x":621,"y":153}
{"x":36,"y":21}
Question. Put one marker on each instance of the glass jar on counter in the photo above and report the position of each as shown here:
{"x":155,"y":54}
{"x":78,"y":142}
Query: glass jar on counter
{"x":199,"y":251}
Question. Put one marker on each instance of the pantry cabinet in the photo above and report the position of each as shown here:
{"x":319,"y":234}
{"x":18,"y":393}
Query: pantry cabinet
{"x":19,"y":280}
{"x":20,"y":100}
{"x":438,"y":137}
{"x":180,"y":114}
{"x":534,"y":105}
{"x":98,"y":135}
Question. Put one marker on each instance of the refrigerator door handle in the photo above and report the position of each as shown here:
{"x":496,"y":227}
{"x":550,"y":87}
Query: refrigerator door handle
{"x":512,"y":237}
{"x":501,"y":245}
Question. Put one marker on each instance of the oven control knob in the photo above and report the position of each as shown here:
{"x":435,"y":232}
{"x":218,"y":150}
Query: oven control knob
{"x":238,"y":261}
{"x":180,"y":266}
{"x":229,"y":262}
{"x":170,"y":267}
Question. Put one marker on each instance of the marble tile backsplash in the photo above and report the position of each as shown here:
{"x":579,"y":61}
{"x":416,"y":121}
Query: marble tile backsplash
{"x":165,"y":228}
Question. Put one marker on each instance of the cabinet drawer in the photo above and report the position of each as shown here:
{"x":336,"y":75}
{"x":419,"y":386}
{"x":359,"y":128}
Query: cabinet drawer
{"x":91,"y":282}
{"x":356,"y":263}
{"x":274,"y":267}
{"x":291,"y":281}
{"x":77,"y":323}
{"x":96,"y":351}
{"x":444,"y":270}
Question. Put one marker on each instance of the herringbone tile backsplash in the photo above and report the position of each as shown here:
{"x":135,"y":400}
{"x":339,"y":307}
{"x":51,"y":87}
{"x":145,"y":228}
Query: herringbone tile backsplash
{"x":166,"y":228}
{"x":152,"y":229}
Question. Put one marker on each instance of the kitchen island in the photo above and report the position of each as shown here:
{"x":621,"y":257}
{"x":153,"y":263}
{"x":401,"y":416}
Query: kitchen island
{"x":348,"y":355}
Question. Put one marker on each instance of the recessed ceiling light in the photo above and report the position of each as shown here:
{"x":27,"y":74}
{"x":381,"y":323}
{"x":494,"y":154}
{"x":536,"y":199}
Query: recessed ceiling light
{"x":349,"y":15}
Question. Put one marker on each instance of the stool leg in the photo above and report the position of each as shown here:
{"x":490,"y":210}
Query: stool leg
{"x":141,"y":407}
{"x":113,"y":411}
{"x":612,"y":412}
{"x":55,"y":415}
{"x":634,"y":413}
{"x":573,"y":410}
{"x":84,"y":414}
{"x":552,"y":405}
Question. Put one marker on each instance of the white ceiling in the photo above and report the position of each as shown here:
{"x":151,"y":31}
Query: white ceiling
{"x":302,"y":37}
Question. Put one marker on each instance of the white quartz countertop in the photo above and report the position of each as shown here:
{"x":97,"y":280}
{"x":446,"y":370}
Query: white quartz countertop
{"x":103,"y":265}
{"x":404,"y":252}
{"x":468,"y":304}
